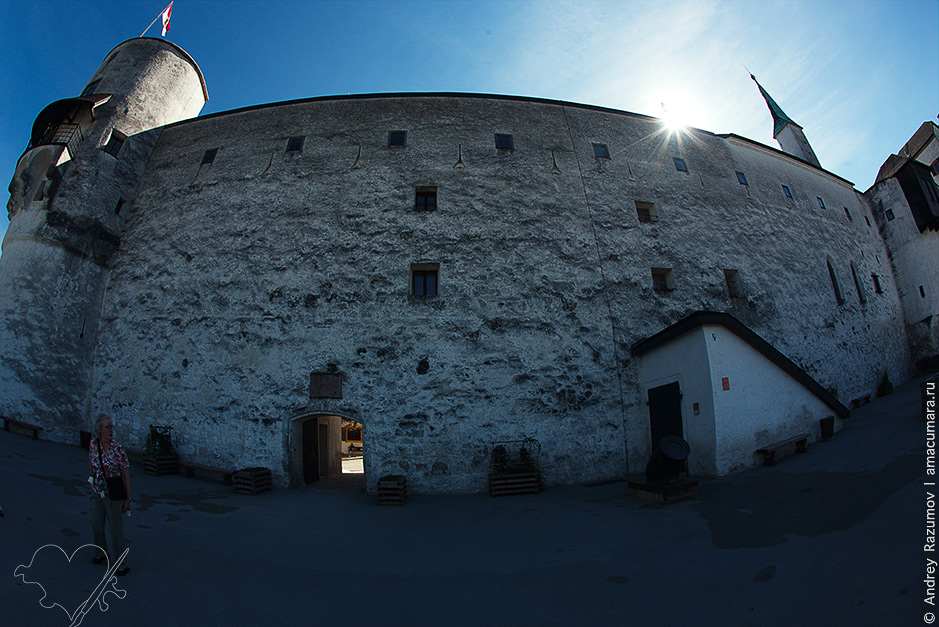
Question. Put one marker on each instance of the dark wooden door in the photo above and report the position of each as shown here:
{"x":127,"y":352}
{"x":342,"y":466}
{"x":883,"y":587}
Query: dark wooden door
{"x":311,"y":464}
{"x":665,"y":412}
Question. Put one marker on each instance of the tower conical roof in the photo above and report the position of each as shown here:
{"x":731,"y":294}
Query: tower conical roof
{"x":780,"y":119}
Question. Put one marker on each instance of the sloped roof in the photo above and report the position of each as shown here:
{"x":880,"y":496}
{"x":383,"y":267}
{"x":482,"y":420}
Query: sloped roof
{"x":749,"y":336}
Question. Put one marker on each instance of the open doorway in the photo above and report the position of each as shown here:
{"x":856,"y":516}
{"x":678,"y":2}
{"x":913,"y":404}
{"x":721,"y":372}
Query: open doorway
{"x":353,"y":451}
{"x":328,"y":452}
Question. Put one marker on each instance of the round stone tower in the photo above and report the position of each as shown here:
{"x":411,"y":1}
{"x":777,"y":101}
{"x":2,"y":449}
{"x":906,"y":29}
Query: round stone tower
{"x":71,"y":191}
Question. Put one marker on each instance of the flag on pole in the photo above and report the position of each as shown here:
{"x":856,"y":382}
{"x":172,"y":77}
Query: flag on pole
{"x":165,"y":16}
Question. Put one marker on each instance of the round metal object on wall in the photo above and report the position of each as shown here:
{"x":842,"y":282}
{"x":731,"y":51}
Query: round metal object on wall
{"x":675,"y":448}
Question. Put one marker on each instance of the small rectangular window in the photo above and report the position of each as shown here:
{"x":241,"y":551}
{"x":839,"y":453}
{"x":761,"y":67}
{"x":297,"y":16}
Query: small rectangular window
{"x":424,"y":279}
{"x":877,"y":287}
{"x":601,"y":151}
{"x":922,"y":291}
{"x":787,"y":192}
{"x":889,"y":214}
{"x":120,"y":206}
{"x":425,"y":199}
{"x":90,"y":87}
{"x":115,"y":142}
{"x":209,"y":156}
{"x":742,"y":178}
{"x":295,"y":144}
{"x":734,"y":287}
{"x":504,"y":142}
{"x":821,"y":203}
{"x":680,"y":164}
{"x":646,"y":212}
{"x":868,"y":220}
{"x":848,"y":213}
{"x":662,"y":280}
{"x":397,"y":138}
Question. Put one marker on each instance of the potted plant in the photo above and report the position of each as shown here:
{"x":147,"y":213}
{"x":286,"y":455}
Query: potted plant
{"x":392,"y":490}
{"x":515,"y":473}
{"x":160,"y":456}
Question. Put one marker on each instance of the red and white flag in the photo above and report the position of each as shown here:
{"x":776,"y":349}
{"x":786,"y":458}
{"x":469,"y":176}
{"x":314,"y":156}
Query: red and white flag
{"x":165,"y":17}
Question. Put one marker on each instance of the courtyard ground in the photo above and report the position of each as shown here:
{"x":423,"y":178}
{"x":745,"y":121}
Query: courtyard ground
{"x":831,"y":537}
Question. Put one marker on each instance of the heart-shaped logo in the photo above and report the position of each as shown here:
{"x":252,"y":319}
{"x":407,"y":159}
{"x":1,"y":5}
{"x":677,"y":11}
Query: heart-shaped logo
{"x":70,"y":584}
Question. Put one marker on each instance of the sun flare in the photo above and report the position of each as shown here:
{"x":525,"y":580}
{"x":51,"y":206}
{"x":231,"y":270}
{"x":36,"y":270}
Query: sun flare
{"x":675,"y":112}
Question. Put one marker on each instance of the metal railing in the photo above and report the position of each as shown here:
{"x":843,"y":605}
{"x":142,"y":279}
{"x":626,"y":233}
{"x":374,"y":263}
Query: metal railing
{"x":69,"y":135}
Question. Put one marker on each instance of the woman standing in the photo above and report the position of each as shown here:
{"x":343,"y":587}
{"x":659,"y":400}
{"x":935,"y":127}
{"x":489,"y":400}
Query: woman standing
{"x":107,"y":459}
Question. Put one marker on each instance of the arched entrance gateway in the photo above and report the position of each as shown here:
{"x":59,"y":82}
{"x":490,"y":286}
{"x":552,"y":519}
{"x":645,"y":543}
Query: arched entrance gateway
{"x":327,"y":449}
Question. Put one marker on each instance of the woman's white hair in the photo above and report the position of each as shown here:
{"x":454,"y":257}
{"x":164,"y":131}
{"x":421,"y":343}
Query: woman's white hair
{"x":99,"y":422}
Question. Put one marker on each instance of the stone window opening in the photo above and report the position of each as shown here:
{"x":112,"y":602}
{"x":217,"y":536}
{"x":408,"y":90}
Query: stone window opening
{"x":601,"y":151}
{"x":397,"y":139}
{"x":424,"y":279}
{"x":120,"y":206}
{"x":734,"y":286}
{"x":787,"y":192}
{"x":504,"y":142}
{"x":90,"y":87}
{"x":848,"y":213}
{"x":742,"y":178}
{"x":821,"y":203}
{"x":646,"y":211}
{"x":834,"y":281}
{"x":209,"y":156}
{"x":425,"y":198}
{"x":861,"y":296}
{"x":680,"y":164}
{"x":295,"y":144}
{"x":114,"y":144}
{"x":922,"y":291}
{"x":663,"y":280}
{"x":889,"y":215}
{"x":877,"y":287}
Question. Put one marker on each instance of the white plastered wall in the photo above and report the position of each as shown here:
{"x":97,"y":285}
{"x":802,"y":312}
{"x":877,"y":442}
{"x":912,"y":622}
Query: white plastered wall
{"x":763,"y":404}
{"x":685,"y":360}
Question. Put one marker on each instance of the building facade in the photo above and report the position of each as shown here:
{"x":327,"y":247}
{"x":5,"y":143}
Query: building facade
{"x":447,"y":270}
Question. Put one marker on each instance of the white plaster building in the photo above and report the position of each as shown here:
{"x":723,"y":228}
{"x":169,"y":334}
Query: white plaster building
{"x":448,"y":270}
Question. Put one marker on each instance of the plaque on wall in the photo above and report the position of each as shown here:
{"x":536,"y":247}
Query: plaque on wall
{"x":325,"y":385}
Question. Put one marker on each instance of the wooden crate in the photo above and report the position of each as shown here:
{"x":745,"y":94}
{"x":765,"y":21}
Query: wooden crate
{"x":252,"y":480}
{"x":392,"y":492}
{"x":161,"y":464}
{"x":519,"y":483}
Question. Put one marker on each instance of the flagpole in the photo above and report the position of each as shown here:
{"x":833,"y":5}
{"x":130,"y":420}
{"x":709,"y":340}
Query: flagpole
{"x":159,"y":15}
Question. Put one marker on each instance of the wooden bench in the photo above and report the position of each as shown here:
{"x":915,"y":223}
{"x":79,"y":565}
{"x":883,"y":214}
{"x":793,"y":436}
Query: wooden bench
{"x":25,"y":425}
{"x":769,"y":452}
{"x":189,"y":470}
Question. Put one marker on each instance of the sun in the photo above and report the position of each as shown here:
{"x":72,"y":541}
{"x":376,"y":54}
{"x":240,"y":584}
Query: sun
{"x":675,"y":111}
{"x":673,"y":118}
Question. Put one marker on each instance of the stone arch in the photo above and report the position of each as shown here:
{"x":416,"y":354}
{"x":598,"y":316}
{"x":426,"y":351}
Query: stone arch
{"x":310,"y":457}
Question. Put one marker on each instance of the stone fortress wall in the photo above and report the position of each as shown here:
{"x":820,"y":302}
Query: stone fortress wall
{"x":227,"y":278}
{"x":237,"y":279}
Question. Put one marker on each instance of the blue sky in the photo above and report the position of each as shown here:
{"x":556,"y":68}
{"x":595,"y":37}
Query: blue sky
{"x":860,"y":76}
